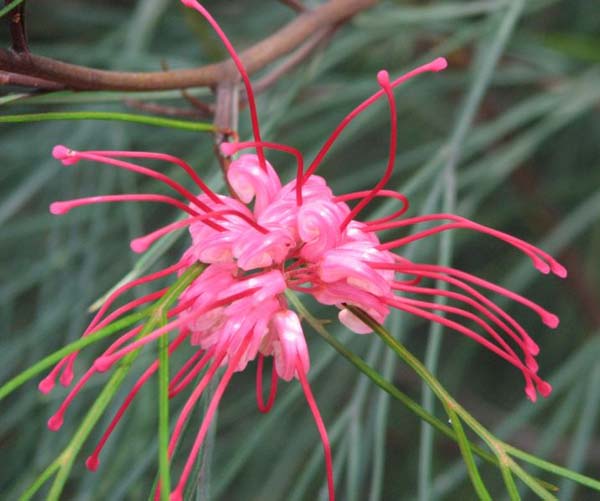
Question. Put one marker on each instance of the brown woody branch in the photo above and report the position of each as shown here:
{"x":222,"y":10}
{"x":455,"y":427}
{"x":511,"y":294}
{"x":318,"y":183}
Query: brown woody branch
{"x":295,"y":59}
{"x":294,"y":5}
{"x":203,"y":109}
{"x":161,"y":109}
{"x":256,"y":57}
{"x":17,"y":27}
{"x":7,"y":78}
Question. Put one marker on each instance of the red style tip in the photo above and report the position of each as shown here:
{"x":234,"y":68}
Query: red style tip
{"x":383,"y":78}
{"x":64,"y":155}
{"x":102,"y":364}
{"x":66,"y":377}
{"x":542,"y":267}
{"x":532,"y":364}
{"x":188,"y":3}
{"x":532,"y":346}
{"x":59,"y":208}
{"x":559,"y":270}
{"x":60,"y":152}
{"x":139,"y":245}
{"x":92,"y":463}
{"x":228,"y":149}
{"x":544,"y":388}
{"x":530,"y":392}
{"x":55,"y":422}
{"x":550,"y":320}
{"x":46,"y":386}
{"x":439,"y":64}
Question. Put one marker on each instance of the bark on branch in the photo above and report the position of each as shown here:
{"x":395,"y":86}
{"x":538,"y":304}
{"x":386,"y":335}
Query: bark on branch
{"x":256,"y":57}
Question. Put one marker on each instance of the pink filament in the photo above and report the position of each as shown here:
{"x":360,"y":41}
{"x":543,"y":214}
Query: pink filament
{"x":243,"y":73}
{"x":47,"y":383}
{"x":104,"y":362}
{"x":59,"y":208}
{"x":259,"y":393}
{"x":130,"y":285}
{"x":120,"y":311}
{"x":188,"y":407}
{"x":92,"y":461}
{"x":193,"y":398}
{"x":548,"y":318}
{"x":177,"y":494}
{"x":310,"y":399}
{"x":406,"y":305}
{"x":436,"y":65}
{"x":383,"y":79}
{"x":55,"y":422}
{"x":174,"y":387}
{"x":531,"y":345}
{"x":471,"y":302}
{"x":141,"y":244}
{"x":380,"y":193}
{"x":460,"y":222}
{"x":145,"y":171}
{"x":167,"y":158}
{"x":511,"y":356}
{"x":232,"y":148}
{"x":469,"y":333}
{"x":185,"y":367}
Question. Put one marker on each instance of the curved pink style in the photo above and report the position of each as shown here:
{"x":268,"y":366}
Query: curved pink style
{"x":270,"y":236}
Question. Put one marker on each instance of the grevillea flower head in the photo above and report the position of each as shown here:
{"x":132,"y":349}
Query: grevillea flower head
{"x":270,"y":236}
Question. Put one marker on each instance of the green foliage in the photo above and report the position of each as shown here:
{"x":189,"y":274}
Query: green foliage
{"x":507,"y":135}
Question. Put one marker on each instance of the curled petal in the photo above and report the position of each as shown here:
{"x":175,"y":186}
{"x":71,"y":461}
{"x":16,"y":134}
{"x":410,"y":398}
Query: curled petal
{"x":250,"y":181}
{"x":319,"y":227}
{"x":338,"y":293}
{"x":256,"y":250}
{"x":289,"y":345}
{"x":350,"y":263}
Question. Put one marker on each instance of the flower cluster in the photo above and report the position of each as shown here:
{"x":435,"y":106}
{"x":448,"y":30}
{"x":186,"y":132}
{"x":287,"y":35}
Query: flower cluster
{"x":268,"y":237}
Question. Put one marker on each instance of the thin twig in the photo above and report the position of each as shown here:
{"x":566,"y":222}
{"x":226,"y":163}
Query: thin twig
{"x":17,"y":28}
{"x":160,"y":109}
{"x":205,"y":108}
{"x":256,"y":57}
{"x":295,"y":59}
{"x":294,"y":5}
{"x":226,"y":120}
{"x":8,"y":78}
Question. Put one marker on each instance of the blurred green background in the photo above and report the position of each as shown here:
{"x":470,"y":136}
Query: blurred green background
{"x":508,"y":135}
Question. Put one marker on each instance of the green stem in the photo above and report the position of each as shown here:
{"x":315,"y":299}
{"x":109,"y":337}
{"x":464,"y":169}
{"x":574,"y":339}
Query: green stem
{"x":509,"y":483}
{"x":465,"y":449}
{"x":531,"y":482}
{"x":112,"y":116}
{"x":163,"y":417}
{"x":592,"y":483}
{"x":41,"y":480}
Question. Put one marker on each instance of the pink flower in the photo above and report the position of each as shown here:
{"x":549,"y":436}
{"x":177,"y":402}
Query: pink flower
{"x":269,"y":237}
